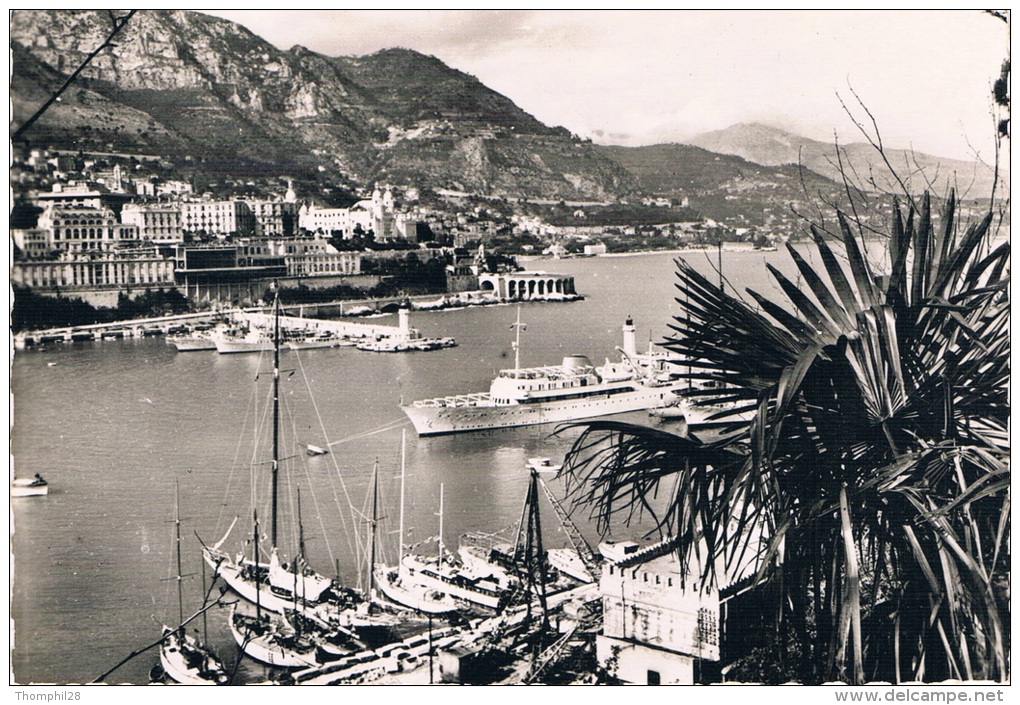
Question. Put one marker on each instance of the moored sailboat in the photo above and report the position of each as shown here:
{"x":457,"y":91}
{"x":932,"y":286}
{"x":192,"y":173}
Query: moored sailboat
{"x":182,"y":657}
{"x":443,"y":574}
{"x":267,"y":639}
{"x":270,"y":638}
{"x":395,"y":583}
{"x":272,"y":585}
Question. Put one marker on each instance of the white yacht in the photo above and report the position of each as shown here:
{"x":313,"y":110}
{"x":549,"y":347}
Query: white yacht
{"x":242,"y":341}
{"x":573,"y":390}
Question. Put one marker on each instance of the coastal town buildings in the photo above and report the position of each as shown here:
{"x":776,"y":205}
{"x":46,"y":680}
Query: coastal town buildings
{"x":77,"y":228}
{"x":218,"y":218}
{"x":376,"y":215}
{"x":159,"y":223}
{"x":141,"y":269}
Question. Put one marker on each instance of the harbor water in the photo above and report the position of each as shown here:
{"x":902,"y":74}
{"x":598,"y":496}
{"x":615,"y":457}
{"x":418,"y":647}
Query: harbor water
{"x":112,"y":425}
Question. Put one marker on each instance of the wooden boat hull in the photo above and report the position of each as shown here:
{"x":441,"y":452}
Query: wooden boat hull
{"x":270,"y":647}
{"x":184,"y":670}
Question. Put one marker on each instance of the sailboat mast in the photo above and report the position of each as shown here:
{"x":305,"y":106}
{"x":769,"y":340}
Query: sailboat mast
{"x":400,"y":538}
{"x":301,"y":527}
{"x":276,"y":407}
{"x":375,"y":522}
{"x":180,"y":573}
{"x":258,"y":588}
{"x":299,"y":560}
{"x":440,"y":527}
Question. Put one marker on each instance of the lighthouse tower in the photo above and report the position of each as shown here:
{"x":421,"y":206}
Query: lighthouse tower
{"x":629,"y":338}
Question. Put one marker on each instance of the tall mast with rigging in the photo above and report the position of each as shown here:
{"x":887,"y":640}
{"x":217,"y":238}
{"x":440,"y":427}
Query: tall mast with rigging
{"x":374,"y":524}
{"x":276,"y":404}
{"x":440,"y":527}
{"x":400,"y":536}
{"x":180,"y":573}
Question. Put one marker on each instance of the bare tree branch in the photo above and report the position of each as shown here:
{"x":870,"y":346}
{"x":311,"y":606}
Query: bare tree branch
{"x":875,"y":141}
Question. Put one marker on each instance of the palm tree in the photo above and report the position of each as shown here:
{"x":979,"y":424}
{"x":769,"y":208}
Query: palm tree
{"x":871,"y":486}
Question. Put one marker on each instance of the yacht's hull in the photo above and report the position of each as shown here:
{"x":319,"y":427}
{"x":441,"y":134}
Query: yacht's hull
{"x":250,"y":590}
{"x":201,"y":669}
{"x":476,"y":561}
{"x":228,"y":347}
{"x":398,"y":589}
{"x":325,"y":613}
{"x":315,"y":344}
{"x":270,"y":647}
{"x":191,"y":343}
{"x":433,"y":420}
{"x":429,"y":574}
{"x":568,"y":562}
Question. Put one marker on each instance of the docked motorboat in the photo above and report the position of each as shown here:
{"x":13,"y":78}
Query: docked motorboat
{"x":189,"y":342}
{"x":29,"y":486}
{"x":326,"y":339}
{"x":544,"y":465}
{"x":242,"y":341}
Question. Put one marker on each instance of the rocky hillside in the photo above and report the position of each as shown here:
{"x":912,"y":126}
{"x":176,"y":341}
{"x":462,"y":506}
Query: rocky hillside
{"x":206,"y":91}
{"x":770,"y":146}
{"x":720,"y":185}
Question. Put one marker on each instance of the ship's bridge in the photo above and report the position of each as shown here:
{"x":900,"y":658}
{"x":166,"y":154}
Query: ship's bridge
{"x":514,"y":385}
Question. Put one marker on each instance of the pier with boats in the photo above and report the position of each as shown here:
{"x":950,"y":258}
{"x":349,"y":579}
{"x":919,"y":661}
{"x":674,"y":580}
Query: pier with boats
{"x":234,"y":331}
{"x":487,"y":608}
{"x":473,"y":604}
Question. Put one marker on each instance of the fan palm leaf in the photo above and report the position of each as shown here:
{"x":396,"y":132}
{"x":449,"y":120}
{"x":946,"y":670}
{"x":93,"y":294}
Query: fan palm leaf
{"x":870,"y":488}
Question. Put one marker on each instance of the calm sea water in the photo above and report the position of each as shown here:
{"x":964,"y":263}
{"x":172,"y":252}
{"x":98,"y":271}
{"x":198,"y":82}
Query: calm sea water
{"x":113,"y":426}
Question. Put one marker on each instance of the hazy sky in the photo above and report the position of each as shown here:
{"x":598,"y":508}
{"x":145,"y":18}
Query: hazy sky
{"x":642,"y":77}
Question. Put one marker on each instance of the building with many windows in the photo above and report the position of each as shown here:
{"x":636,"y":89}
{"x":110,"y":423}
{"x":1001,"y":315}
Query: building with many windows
{"x":323,"y":264}
{"x":337,"y":221}
{"x":159,"y":223}
{"x":142,"y":269}
{"x":218,"y":218}
{"x":274,"y":218}
{"x":75,"y":228}
{"x":658,"y":621}
{"x":84,"y":195}
{"x":33,"y":243}
{"x":376,"y":215}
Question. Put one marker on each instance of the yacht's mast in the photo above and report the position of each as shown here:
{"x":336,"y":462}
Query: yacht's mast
{"x":258,"y":588}
{"x":180,"y":573}
{"x":301,"y":527}
{"x":375,"y":522}
{"x":276,"y":406}
{"x":400,"y":539}
{"x":440,"y":527}
{"x":517,"y":342}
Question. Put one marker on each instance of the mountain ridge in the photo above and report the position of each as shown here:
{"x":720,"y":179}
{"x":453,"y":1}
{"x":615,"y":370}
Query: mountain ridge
{"x":772,"y":146}
{"x":208,"y":94}
{"x":221,"y":96}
